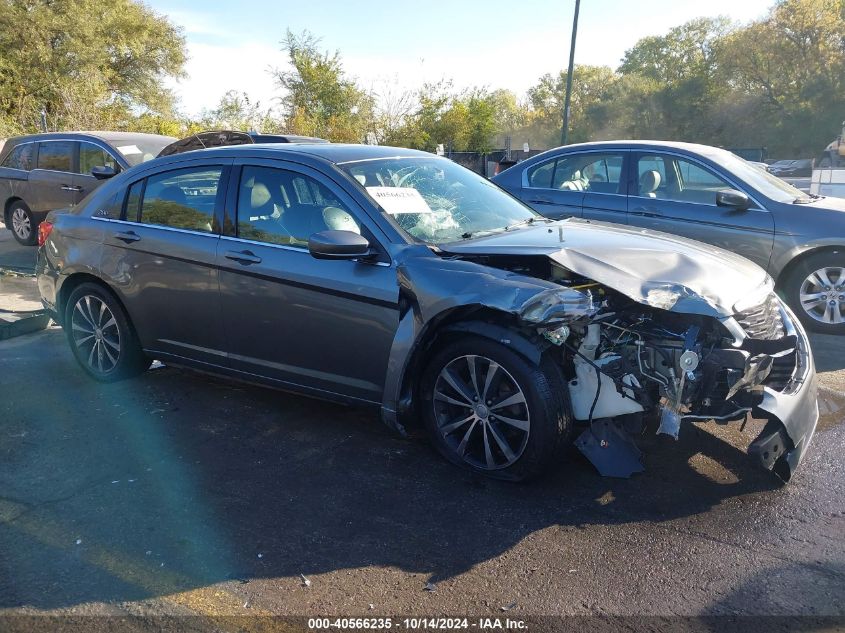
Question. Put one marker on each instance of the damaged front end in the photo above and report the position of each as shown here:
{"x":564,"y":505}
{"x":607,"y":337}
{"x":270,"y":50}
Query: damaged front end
{"x":644,"y":328}
{"x":632,"y":360}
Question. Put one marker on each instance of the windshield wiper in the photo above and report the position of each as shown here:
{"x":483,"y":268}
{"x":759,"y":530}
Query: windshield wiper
{"x":500,"y":229}
{"x":531,"y":220}
{"x":808,"y":198}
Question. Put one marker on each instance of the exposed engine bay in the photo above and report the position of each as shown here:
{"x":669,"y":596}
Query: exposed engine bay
{"x":628,"y":363}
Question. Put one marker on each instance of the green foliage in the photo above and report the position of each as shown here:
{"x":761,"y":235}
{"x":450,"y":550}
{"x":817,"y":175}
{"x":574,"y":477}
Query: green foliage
{"x":460,"y":121}
{"x":235,"y":111}
{"x":793,"y":63}
{"x":88,"y":63}
{"x":319,"y":99}
{"x":778,"y":82}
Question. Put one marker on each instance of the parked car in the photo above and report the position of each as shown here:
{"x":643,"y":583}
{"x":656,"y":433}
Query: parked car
{"x":398,"y":279}
{"x":42,"y":172}
{"x":222,"y":138}
{"x":706,"y":194}
{"x":802,"y":168}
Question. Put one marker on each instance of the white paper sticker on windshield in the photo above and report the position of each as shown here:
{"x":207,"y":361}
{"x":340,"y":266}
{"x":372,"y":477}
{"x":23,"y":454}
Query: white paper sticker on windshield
{"x":396,"y":200}
{"x":127,"y":150}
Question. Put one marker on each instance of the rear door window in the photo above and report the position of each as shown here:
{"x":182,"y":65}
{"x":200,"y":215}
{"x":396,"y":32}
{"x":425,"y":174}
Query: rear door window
{"x":541,"y":176}
{"x":56,"y":155}
{"x":182,"y":199}
{"x":21,"y":157}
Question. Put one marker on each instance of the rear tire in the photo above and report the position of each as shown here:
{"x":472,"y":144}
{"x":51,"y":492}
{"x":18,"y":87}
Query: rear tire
{"x":100,"y":335}
{"x":815,"y":290}
{"x":22,"y":224}
{"x":492,"y":411}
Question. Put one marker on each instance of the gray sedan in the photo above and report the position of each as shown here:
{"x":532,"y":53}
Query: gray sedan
{"x":707,"y":194}
{"x":396,"y":279}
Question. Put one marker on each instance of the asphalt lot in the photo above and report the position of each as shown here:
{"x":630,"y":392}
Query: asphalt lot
{"x":178,"y":493}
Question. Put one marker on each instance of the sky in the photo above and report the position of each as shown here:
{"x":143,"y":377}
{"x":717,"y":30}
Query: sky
{"x":395,"y":45}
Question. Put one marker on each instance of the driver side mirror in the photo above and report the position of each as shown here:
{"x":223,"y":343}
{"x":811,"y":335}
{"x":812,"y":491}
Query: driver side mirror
{"x":338,"y":245}
{"x":103,"y":172}
{"x":733,"y":199}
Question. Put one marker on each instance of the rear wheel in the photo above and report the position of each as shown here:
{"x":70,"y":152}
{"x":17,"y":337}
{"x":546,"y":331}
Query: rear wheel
{"x":22,"y":224}
{"x":815,"y":290}
{"x":492,"y":411}
{"x":100,"y":335}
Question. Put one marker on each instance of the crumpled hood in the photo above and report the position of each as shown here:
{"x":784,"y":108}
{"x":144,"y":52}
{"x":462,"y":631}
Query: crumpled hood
{"x":657,"y":269}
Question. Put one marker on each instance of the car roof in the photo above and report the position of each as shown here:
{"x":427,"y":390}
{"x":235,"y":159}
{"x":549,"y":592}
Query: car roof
{"x":697,"y":148}
{"x":107,"y":136}
{"x":337,"y":153}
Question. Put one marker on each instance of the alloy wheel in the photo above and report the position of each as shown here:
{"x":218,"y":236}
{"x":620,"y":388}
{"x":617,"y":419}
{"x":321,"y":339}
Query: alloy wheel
{"x":95,"y":334}
{"x":481,"y":412}
{"x":21,"y":224}
{"x":822,"y":295}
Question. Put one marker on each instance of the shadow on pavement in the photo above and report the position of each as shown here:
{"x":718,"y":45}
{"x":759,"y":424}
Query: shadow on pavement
{"x":175,"y":481}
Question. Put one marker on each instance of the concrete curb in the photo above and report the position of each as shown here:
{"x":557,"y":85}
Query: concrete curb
{"x":18,"y":323}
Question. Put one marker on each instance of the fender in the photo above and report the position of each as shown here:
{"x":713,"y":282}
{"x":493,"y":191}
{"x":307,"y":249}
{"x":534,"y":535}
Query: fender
{"x":782,"y":261}
{"x":436,"y":290}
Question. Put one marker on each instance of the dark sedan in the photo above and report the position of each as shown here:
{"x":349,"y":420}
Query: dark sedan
{"x":397,"y":279}
{"x":706,"y":194}
{"x":802,"y":168}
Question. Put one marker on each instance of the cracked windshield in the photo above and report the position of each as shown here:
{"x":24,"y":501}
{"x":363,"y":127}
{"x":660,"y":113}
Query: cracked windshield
{"x":436,"y":201}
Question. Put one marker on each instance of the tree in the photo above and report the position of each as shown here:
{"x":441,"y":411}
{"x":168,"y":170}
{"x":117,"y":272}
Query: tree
{"x":683,"y":66}
{"x":235,"y":111}
{"x":319,"y":99}
{"x":87,"y":63}
{"x":591,"y":85}
{"x":461,"y":121}
{"x":793,"y":62}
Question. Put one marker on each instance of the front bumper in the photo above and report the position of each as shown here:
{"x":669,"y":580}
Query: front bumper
{"x":791,"y":410}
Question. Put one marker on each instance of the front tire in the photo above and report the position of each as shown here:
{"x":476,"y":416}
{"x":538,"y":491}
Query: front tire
{"x":100,"y":335}
{"x":490,"y":410}
{"x":815,"y":290}
{"x":22,"y":223}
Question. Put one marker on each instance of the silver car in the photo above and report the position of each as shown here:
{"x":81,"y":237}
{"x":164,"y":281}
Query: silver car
{"x":706,"y":194}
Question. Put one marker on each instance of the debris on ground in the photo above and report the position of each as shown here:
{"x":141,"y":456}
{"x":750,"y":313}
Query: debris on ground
{"x":508,"y":607}
{"x":430,"y":586}
{"x":305,"y":581}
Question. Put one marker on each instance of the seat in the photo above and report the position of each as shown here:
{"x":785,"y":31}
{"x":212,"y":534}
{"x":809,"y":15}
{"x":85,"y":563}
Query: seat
{"x":649,"y":182}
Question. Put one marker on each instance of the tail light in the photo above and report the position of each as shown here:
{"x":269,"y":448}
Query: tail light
{"x":44,"y":230}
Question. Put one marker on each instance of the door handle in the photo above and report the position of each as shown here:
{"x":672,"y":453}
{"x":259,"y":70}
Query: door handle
{"x":243,"y":257}
{"x":127,"y":237}
{"x":646,"y":213}
{"x":541,"y":201}
{"x":69,"y":188}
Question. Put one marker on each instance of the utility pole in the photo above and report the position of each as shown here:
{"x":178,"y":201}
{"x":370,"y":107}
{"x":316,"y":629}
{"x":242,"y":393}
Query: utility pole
{"x":564,"y":133}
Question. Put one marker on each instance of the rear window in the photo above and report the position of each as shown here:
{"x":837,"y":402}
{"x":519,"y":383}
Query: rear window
{"x":21,"y":157}
{"x":183,"y":199}
{"x":55,"y":155}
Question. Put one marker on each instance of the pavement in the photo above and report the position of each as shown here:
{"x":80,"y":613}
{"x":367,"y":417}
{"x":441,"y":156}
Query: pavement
{"x":21,"y":311}
{"x":178,"y":494}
